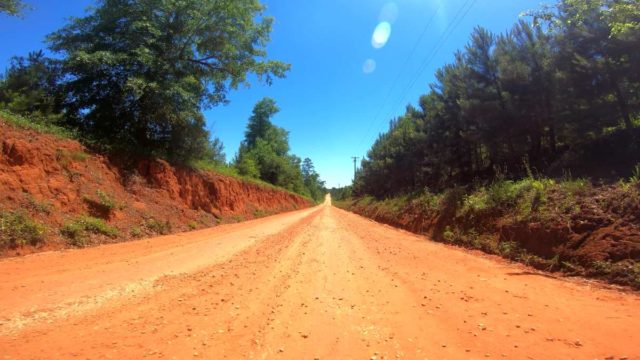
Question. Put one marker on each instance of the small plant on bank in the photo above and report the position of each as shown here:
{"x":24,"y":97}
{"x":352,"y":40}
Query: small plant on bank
{"x":77,"y":231}
{"x":136,"y":232}
{"x":106,"y":200}
{"x":17,"y":229}
{"x":158,"y":227}
{"x":635,"y":174}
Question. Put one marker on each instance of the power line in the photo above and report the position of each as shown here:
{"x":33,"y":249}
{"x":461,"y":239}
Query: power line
{"x":401,"y":71}
{"x":460,"y":15}
{"x":462,"y":12}
{"x":355,"y":159}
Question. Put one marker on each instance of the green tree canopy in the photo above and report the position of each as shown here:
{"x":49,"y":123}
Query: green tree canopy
{"x":557,"y":94}
{"x":264,"y":154}
{"x":30,"y":85}
{"x":12,"y":7}
{"x":139,"y":72}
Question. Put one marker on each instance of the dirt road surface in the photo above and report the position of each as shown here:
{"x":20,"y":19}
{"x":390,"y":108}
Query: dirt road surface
{"x":319,"y":283}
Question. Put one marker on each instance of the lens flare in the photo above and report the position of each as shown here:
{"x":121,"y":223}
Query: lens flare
{"x":369,"y":66}
{"x":381,"y":35}
{"x":389,"y":12}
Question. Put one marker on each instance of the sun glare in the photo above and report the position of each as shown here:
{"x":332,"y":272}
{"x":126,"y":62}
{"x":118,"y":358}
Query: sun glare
{"x":381,"y":35}
{"x":369,"y":66}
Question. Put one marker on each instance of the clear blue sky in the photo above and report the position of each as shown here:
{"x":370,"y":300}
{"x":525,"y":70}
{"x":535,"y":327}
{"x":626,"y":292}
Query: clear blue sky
{"x":332,"y":108}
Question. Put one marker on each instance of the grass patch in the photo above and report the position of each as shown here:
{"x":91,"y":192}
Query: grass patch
{"x":77,"y":231}
{"x":230,"y":171}
{"x":17,"y":229}
{"x":38,"y":123}
{"x":158,"y":227}
{"x":108,"y":201}
{"x":258,"y":213}
{"x":135,"y":232}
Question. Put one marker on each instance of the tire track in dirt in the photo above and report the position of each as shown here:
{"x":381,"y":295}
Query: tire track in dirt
{"x":329,"y":284}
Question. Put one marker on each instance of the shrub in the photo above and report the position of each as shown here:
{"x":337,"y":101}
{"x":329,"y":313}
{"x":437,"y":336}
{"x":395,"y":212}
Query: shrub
{"x":451,"y":201}
{"x":17,"y":229}
{"x":635,"y":174}
{"x":106,"y":200}
{"x":136,"y":231}
{"x":76,"y":231}
{"x":508,"y":249}
{"x":158,"y":227}
{"x":258,"y":213}
{"x":66,"y":157}
{"x":574,"y":187}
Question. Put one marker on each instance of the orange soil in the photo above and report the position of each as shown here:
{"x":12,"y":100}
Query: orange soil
{"x":63,"y":178}
{"x":319,"y":283}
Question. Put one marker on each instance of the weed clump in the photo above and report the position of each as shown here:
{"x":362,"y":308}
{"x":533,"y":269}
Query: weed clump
{"x":77,"y":231}
{"x":18,"y":229}
{"x":158,"y":227}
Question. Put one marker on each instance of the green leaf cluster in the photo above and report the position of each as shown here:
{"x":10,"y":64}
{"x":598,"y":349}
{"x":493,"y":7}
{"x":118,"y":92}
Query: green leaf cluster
{"x":264,"y":154}
{"x":134,"y":76}
{"x":558,"y":93}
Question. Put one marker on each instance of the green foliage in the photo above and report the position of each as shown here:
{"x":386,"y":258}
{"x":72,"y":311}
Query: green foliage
{"x":136,"y":232}
{"x":635,"y":174}
{"x":508,"y":249}
{"x":313,"y":185}
{"x":31,"y":86}
{"x":18,"y":229}
{"x":76,"y":231}
{"x":264,"y":154}
{"x":340,"y":194}
{"x":65,"y":158}
{"x":560,"y":92}
{"x":258,"y":213}
{"x":157,"y":226}
{"x":106,"y":200}
{"x":451,"y":202}
{"x":134,"y":75}
{"x":36,"y":122}
{"x":12,"y":7}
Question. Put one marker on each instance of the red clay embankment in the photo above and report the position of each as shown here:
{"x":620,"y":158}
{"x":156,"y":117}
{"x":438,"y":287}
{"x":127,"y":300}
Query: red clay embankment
{"x":55,"y":181}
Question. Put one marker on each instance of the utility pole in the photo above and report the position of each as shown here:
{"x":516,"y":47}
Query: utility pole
{"x":355,"y":159}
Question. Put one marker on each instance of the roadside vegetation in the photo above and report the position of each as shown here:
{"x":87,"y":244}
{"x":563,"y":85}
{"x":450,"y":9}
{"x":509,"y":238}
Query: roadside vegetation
{"x":527,"y":145}
{"x":557,"y":95}
{"x":17,"y":228}
{"x":78,"y":231}
{"x":568,"y":225}
{"x":138,"y":90}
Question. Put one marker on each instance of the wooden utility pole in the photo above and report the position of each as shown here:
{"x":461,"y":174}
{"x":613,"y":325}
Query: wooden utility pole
{"x":355,"y":159}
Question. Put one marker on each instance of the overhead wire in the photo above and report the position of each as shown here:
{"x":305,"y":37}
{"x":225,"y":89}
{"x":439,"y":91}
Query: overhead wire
{"x":460,"y":15}
{"x":402,"y":70}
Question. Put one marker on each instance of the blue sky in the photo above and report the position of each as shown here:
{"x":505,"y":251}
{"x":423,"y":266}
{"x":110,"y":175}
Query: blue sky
{"x":332,"y":108}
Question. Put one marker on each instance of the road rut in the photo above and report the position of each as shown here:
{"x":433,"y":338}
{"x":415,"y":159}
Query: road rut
{"x":319,"y":283}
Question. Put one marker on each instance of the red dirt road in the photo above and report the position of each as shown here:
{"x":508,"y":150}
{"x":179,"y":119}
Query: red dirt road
{"x":313,"y":284}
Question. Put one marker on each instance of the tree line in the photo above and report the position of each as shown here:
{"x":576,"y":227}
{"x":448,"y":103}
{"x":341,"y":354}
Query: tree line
{"x":264,"y":154}
{"x":133,"y":77}
{"x":558,"y":92}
